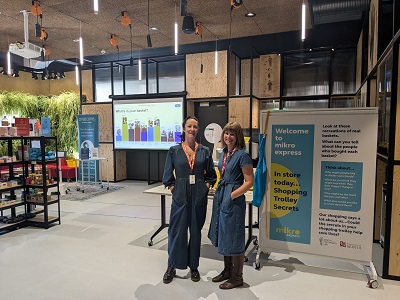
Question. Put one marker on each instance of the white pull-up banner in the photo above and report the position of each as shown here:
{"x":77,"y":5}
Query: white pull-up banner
{"x":321,"y":182}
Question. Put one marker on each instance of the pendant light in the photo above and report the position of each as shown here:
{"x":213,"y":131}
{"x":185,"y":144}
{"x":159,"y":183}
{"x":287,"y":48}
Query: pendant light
{"x":76,"y":75}
{"x":8,"y":63}
{"x":140,"y":67}
{"x":96,"y":7}
{"x":81,"y":50}
{"x":176,"y":34}
{"x":303,"y":21}
{"x":149,"y":45}
{"x":216,"y":57}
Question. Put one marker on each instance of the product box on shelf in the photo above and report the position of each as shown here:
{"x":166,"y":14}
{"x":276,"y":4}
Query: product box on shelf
{"x":26,"y":153}
{"x":3,"y":131}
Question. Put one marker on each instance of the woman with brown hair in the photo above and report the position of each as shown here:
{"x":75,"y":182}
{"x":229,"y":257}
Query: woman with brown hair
{"x":227,"y":227}
{"x":189,"y":173}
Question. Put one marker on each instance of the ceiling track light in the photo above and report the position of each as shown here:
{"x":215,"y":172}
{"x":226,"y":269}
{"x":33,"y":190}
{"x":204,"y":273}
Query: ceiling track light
{"x":188,"y":25}
{"x":235,"y":4}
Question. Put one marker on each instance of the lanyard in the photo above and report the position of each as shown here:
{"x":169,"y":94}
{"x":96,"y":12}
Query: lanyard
{"x":190,"y":160}
{"x":224,"y":162}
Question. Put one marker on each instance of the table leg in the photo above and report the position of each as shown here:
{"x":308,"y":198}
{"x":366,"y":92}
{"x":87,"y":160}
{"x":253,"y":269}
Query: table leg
{"x":250,"y":227}
{"x":163,"y":221}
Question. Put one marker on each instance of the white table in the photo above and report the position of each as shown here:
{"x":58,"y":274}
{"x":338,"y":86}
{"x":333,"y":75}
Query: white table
{"x":97,"y":180}
{"x":160,"y":190}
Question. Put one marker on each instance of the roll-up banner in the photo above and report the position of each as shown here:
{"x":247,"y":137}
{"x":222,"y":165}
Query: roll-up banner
{"x":88,"y":138}
{"x":321,"y":182}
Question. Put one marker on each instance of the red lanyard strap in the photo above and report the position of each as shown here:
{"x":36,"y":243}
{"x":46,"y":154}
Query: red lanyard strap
{"x":224,"y":162}
{"x":190,"y":160}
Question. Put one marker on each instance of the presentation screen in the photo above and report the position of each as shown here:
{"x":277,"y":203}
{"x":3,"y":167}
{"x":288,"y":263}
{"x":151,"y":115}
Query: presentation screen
{"x":148,"y":123}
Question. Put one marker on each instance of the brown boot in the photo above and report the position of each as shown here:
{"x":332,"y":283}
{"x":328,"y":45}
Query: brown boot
{"x":236,"y":278}
{"x":226,"y":272}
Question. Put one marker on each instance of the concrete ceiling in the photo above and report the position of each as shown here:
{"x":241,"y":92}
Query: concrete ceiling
{"x":66,"y":20}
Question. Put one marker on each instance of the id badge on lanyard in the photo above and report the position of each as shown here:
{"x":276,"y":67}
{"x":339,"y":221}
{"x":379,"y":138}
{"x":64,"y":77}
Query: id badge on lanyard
{"x":192,"y":179}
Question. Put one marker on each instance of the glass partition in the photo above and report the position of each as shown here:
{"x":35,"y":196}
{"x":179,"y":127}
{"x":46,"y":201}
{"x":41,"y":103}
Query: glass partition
{"x":342,"y":102}
{"x":132,"y":83}
{"x":118,"y":79}
{"x":102,"y":84}
{"x":343,"y":71}
{"x":384,"y":99}
{"x":306,"y":73}
{"x":269,"y":104}
{"x":171,"y":76}
{"x":305,"y":104}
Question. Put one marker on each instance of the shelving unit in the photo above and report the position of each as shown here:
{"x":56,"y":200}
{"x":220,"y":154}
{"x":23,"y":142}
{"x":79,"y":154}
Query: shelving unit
{"x":12,"y":207}
{"x":20,"y":206}
{"x":38,"y":204}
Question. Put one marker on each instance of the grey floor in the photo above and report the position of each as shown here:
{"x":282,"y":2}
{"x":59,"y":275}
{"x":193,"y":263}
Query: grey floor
{"x":100,"y":251}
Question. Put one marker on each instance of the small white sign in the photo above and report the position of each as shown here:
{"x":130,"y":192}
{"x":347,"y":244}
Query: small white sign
{"x":95,"y":152}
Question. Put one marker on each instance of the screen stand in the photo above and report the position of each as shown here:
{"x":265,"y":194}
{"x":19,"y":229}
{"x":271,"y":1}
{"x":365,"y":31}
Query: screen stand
{"x":149,"y":181}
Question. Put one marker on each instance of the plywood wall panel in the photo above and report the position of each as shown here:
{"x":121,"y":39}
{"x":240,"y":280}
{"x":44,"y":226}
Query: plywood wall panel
{"x":397,"y":133}
{"x":232,"y":74}
{"x":373,"y":34}
{"x":104,"y":111}
{"x":245,"y":76}
{"x":239,"y":111}
{"x":394,"y":251}
{"x":120,"y":165}
{"x":206,"y":84}
{"x":255,"y":113}
{"x":107,"y":167}
{"x":270,"y":75}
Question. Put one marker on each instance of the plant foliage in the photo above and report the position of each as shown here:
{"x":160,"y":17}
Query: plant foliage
{"x":61,"y":109}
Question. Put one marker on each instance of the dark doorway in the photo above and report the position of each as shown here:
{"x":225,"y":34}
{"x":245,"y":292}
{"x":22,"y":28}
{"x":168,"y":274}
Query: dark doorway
{"x":210,"y":112}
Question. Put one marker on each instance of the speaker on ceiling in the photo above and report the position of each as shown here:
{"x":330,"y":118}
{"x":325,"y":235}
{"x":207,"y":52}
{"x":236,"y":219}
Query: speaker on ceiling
{"x":188,"y":25}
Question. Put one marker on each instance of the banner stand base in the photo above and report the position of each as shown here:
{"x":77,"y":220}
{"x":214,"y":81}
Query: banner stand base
{"x":319,"y":261}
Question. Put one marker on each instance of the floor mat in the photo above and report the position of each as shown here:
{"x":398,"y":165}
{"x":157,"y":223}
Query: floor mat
{"x":89,"y":192}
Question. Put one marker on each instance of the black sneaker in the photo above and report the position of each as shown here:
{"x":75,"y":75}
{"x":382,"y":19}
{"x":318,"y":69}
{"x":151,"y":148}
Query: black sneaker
{"x":195,"y":275}
{"x":169,"y":275}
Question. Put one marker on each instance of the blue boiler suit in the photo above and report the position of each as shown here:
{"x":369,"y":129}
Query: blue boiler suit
{"x":189,"y":204}
{"x":227,"y":227}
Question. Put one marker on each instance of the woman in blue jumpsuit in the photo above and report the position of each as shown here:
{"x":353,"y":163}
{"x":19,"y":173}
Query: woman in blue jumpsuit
{"x":227,"y":227}
{"x":189,"y":172}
